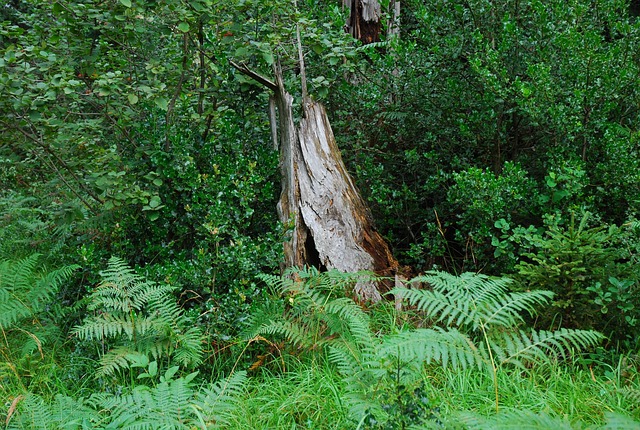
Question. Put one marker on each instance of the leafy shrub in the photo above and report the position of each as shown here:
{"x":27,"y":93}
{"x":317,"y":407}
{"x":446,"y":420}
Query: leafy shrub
{"x":590,"y":271}
{"x":478,"y":197}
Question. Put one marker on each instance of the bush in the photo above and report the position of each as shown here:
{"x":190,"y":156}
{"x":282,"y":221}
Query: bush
{"x":592,"y":270}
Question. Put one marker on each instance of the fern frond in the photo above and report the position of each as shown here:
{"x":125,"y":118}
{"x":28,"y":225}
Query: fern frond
{"x":188,"y":350}
{"x":139,"y":316}
{"x":538,"y":346}
{"x":354,"y":321}
{"x":23,"y":292}
{"x":630,"y":394}
{"x":439,"y":306}
{"x":516,"y":419}
{"x":216,"y":402}
{"x":270,"y":310}
{"x":616,"y":421}
{"x":471,"y":300}
{"x":447,"y":347}
{"x":65,"y":412}
{"x":294,"y":332}
{"x":116,"y":359}
{"x":505,"y":311}
{"x":349,"y":360}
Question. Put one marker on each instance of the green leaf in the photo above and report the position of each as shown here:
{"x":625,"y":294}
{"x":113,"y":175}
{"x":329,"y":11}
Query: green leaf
{"x":162,"y":103}
{"x":268,"y":57}
{"x":170,"y":373}
{"x":126,"y":3}
{"x":154,"y":202}
{"x":157,"y":182}
{"x":153,"y":368}
{"x":57,"y":8}
{"x":133,"y":99}
{"x":183,"y":27}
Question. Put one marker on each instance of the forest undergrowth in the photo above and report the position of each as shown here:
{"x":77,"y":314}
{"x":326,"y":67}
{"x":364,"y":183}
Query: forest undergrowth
{"x":460,"y":354}
{"x":496,"y":144}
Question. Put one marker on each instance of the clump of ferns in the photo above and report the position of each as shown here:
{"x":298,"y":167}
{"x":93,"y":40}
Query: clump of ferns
{"x":26,"y":294}
{"x":483,"y":326}
{"x":314,"y":311}
{"x":134,"y":317}
{"x":170,"y":403}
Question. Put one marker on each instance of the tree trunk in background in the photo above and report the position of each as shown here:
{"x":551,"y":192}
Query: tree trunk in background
{"x":394,"y":25}
{"x":364,"y":20}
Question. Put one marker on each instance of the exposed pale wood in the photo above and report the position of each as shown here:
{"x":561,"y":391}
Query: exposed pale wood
{"x":294,"y":246}
{"x":333,"y":212}
{"x":330,"y":225}
{"x":273,"y":121}
{"x":394,"y":25}
{"x":371,"y":10}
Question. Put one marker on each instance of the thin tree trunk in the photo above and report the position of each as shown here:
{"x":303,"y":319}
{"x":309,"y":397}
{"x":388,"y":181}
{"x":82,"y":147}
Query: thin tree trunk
{"x":394,"y":25}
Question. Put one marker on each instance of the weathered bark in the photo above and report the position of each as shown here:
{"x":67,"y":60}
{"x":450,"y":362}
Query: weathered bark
{"x":364,"y":20}
{"x":331,"y":227}
{"x":394,"y":25}
{"x":339,"y":228}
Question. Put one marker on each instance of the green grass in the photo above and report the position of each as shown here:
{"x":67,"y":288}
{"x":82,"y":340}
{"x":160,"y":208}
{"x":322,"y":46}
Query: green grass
{"x":560,"y":391}
{"x":307,"y":396}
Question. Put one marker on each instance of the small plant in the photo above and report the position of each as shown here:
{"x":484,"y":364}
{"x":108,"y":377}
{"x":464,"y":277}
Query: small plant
{"x":585,"y":267}
{"x":317,"y":313}
{"x":138,"y":317}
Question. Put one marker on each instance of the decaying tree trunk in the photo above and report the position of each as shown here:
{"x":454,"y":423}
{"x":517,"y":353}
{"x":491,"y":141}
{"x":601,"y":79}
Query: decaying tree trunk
{"x":331,"y":225}
{"x":364,"y":20}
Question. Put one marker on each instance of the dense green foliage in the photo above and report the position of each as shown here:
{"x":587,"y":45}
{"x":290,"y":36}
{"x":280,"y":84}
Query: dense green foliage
{"x":140,"y":246}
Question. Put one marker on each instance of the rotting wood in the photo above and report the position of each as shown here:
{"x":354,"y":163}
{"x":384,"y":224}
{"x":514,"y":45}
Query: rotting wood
{"x":331,"y":227}
{"x":364,"y":20}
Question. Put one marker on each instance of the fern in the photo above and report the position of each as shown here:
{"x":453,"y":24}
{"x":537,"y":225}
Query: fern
{"x":171,"y":404}
{"x":23,"y":293}
{"x":33,"y":413}
{"x":141,"y":317}
{"x":481,"y":319}
{"x":484,"y":308}
{"x":216,"y":402}
{"x":516,"y":419}
{"x":542,"y":421}
{"x":471,"y":300}
{"x":317,"y":313}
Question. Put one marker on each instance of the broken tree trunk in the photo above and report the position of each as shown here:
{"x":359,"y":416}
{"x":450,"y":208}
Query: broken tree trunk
{"x":331,"y":227}
{"x":339,"y":228}
{"x":364,"y":20}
